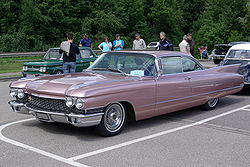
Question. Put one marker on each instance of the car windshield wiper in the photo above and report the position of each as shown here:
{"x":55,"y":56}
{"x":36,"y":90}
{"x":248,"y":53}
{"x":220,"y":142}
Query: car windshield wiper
{"x":111,"y":69}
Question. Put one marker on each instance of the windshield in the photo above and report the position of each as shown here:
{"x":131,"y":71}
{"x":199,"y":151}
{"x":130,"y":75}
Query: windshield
{"x":239,"y":54}
{"x":53,"y":54}
{"x":126,"y":63}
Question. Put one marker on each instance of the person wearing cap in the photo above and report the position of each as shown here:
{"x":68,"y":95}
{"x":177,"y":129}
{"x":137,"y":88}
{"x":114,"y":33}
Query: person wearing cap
{"x":118,"y":43}
{"x":86,"y":41}
{"x":138,"y":44}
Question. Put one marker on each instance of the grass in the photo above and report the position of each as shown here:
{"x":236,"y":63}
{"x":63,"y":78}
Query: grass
{"x":10,"y":76}
{"x":15,"y":64}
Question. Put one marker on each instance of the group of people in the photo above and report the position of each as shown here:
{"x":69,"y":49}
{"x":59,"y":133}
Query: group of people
{"x":70,"y":49}
{"x":138,"y":43}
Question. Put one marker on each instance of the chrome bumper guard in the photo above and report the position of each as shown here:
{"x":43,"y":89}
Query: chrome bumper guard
{"x":78,"y":120}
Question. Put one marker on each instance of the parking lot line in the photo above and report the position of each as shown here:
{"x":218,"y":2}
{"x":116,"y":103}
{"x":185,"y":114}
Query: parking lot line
{"x":154,"y":135}
{"x":246,"y":109}
{"x":47,"y":154}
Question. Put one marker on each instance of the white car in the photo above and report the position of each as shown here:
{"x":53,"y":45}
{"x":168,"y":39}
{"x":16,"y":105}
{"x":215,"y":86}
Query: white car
{"x":153,"y":45}
{"x":240,"y":54}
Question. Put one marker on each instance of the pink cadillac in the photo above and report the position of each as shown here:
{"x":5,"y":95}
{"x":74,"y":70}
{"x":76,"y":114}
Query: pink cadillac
{"x":122,"y":86}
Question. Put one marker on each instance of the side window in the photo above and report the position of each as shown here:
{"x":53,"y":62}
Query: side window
{"x":190,"y":65}
{"x":171,"y":65}
{"x":85,"y":53}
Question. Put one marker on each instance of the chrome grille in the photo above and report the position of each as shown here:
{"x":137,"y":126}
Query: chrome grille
{"x":33,"y":68}
{"x":47,"y":104}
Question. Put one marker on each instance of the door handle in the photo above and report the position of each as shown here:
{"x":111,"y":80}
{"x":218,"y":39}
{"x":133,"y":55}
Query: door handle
{"x":187,"y":78}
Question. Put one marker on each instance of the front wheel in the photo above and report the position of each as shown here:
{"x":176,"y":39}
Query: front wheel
{"x":58,"y":72}
{"x":216,"y":61}
{"x":113,"y":120}
{"x":211,"y":104}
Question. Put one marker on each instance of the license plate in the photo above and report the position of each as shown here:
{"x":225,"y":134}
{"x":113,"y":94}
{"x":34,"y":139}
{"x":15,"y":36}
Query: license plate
{"x":42,"y":116}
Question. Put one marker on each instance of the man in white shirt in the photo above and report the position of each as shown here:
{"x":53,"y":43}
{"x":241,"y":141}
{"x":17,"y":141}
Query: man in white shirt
{"x":138,"y":44}
{"x":184,"y":46}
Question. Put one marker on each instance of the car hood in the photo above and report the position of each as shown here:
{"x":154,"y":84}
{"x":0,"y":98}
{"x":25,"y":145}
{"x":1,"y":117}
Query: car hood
{"x":77,"y":85}
{"x":43,"y":63}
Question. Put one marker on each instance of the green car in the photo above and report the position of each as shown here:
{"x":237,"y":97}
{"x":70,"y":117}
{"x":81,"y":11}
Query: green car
{"x":52,"y":62}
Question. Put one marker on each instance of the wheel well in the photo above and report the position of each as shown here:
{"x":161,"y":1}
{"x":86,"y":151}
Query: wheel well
{"x":58,"y":70}
{"x":129,"y":110}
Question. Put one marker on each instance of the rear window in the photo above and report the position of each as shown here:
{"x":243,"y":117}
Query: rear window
{"x":239,"y":54}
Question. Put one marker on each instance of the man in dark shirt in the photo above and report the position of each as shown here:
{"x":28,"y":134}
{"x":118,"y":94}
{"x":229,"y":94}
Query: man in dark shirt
{"x":69,"y":59}
{"x":86,"y":41}
{"x":165,"y":44}
{"x":191,"y":43}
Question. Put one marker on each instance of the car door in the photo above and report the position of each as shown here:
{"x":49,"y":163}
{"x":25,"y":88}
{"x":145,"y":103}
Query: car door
{"x":173,"y":89}
{"x":201,"y":81}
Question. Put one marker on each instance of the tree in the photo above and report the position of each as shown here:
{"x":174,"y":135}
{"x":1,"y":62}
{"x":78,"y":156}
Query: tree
{"x":220,"y":23}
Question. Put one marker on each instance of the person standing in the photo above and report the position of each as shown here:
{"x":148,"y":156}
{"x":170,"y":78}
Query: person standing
{"x":164,"y":43}
{"x":86,"y":41}
{"x":138,"y":44}
{"x":118,"y":43}
{"x":191,"y":43}
{"x":184,"y":46}
{"x":105,"y":46}
{"x":69,"y":50}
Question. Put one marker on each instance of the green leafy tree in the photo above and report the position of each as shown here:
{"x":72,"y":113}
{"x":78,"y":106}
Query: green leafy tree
{"x":220,"y":23}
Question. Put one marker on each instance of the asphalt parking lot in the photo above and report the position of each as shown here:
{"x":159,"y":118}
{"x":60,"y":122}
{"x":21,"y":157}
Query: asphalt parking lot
{"x":192,"y":137}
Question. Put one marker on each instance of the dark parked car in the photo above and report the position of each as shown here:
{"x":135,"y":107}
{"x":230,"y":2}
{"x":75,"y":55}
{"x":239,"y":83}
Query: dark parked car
{"x":121,"y":86}
{"x":220,"y":50}
{"x":240,"y":54}
{"x":52,"y":62}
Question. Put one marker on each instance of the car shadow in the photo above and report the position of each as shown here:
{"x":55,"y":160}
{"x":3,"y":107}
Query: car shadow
{"x":244,"y":92}
{"x":88,"y":134}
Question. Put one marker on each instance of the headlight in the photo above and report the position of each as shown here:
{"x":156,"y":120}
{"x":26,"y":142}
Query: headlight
{"x":25,"y":68}
{"x":20,"y":93}
{"x":69,"y":101}
{"x":13,"y":92}
{"x":42,"y":69}
{"x":80,"y":103}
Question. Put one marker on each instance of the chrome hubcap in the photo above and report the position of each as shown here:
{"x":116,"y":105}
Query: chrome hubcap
{"x":114,"y":117}
{"x":212,"y":102}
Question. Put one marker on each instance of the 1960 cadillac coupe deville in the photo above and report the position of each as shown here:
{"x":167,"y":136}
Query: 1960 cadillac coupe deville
{"x":123,"y":86}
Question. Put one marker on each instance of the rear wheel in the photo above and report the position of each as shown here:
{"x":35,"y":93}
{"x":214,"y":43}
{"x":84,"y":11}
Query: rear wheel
{"x":113,"y":120}
{"x":211,"y":104}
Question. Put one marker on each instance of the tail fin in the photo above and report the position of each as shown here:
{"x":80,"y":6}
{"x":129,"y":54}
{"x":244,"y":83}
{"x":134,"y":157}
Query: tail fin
{"x":228,"y":68}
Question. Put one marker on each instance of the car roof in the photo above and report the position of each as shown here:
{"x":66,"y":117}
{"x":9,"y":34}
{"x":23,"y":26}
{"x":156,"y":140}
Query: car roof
{"x":79,"y":48}
{"x":241,"y":47}
{"x":156,"y":53}
{"x":227,"y":45}
{"x":239,"y":42}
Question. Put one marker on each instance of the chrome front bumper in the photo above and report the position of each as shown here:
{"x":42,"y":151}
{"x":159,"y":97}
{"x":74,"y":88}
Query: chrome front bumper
{"x":78,"y":120}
